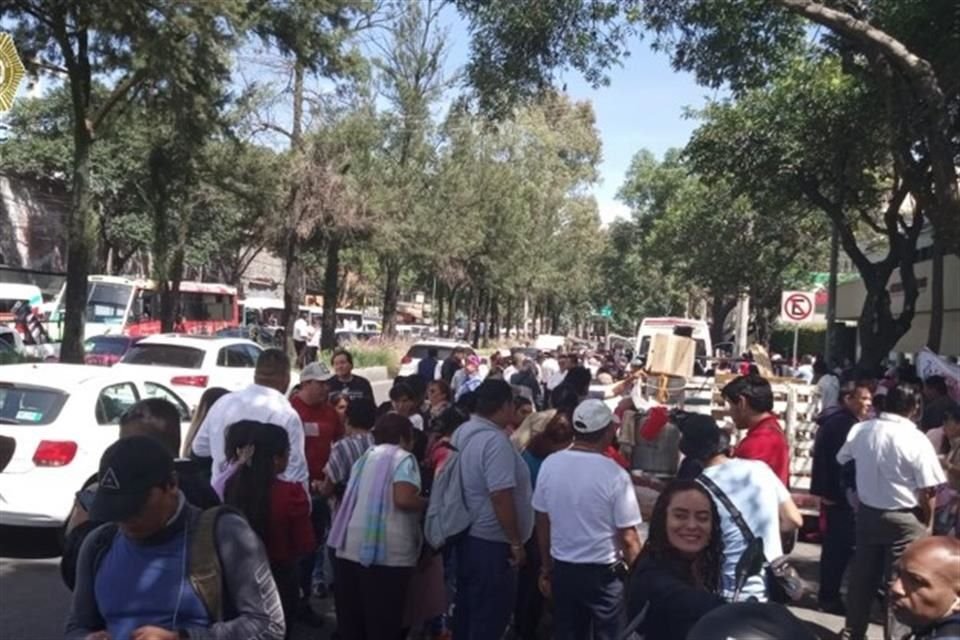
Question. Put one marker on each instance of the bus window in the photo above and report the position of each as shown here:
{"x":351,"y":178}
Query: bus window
{"x":107,"y":302}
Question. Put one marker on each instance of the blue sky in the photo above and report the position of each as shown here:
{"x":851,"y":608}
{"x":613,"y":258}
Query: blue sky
{"x":642,"y":107}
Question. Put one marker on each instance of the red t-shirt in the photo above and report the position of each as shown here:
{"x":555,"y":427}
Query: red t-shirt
{"x":321,"y":428}
{"x":766,"y":441}
{"x":614,"y":454}
{"x":289,"y":533}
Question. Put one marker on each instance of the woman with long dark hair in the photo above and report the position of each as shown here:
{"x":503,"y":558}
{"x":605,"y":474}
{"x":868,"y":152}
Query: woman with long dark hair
{"x":278,"y":511}
{"x":678,"y":571}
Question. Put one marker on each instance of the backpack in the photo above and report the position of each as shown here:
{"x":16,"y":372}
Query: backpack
{"x":205,"y":572}
{"x":447,"y":514}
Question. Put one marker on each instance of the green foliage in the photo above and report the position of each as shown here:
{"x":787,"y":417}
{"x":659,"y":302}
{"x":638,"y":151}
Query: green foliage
{"x":372,"y":354}
{"x":810,"y":341}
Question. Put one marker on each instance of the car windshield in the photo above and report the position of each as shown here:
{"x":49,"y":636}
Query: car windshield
{"x":419,"y":351}
{"x":106,"y":346}
{"x":165,"y":355}
{"x":29,"y":405}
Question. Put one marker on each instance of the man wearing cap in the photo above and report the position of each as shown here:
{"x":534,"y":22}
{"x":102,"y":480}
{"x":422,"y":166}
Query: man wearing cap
{"x":134,"y":574}
{"x":263,"y":401}
{"x":586,"y":522}
{"x":321,"y":428}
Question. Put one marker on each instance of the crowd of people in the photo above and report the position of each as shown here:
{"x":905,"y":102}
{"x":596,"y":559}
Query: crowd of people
{"x":280,"y":494}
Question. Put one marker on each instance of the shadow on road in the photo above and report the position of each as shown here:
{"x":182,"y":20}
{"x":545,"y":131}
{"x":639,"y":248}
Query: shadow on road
{"x":23,"y":543}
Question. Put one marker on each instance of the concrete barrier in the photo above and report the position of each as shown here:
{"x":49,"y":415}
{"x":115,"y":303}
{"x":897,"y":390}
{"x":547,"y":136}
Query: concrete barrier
{"x":373,"y":374}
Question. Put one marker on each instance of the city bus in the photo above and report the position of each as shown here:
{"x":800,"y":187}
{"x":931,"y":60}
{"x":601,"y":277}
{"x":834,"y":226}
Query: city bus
{"x":127,"y":306}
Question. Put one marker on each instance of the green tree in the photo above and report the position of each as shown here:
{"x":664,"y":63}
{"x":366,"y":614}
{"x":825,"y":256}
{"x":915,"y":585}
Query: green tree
{"x":816,"y":134}
{"x":129,"y":47}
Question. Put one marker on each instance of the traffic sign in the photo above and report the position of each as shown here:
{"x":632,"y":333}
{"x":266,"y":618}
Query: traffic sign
{"x":606,"y":312}
{"x":797,"y":307}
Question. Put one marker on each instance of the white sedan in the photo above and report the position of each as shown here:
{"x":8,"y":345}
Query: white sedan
{"x":62,"y":418}
{"x":192,"y":364}
{"x":419,"y":350}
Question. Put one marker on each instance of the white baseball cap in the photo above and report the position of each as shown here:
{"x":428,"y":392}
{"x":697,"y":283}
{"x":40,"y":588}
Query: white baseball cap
{"x":315,"y":371}
{"x":591,"y":416}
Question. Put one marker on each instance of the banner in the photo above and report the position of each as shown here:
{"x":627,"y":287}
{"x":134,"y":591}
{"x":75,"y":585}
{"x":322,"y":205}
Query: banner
{"x":930,"y":364}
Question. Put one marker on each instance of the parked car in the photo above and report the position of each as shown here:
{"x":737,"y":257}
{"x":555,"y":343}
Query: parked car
{"x":418,"y":351}
{"x":62,"y":417}
{"x":190,"y":364}
{"x":106,"y":351}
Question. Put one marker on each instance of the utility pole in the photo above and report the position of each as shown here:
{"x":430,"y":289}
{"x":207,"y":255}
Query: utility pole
{"x":830,"y":347}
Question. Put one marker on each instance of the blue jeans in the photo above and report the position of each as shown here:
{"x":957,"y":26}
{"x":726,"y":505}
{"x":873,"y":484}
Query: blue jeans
{"x":588,"y":602}
{"x":486,"y":589}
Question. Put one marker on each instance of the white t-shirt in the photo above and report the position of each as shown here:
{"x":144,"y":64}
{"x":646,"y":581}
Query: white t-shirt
{"x":300,"y":330}
{"x":588,"y":499}
{"x":549,"y":368}
{"x":556,"y":380}
{"x":757,"y":492}
{"x":894,"y":459}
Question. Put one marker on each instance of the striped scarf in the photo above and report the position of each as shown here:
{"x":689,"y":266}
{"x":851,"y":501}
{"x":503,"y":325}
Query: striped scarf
{"x":373,"y":548}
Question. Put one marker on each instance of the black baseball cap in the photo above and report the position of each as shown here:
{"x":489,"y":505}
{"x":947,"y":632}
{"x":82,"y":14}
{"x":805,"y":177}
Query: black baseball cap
{"x":129,"y":469}
{"x":700,"y":436}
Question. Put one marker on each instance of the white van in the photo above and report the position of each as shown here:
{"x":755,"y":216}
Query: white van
{"x":14,"y":297}
{"x":653,"y":326}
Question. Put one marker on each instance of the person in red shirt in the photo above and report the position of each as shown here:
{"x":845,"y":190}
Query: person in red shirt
{"x":321,"y":428}
{"x":278,"y":511}
{"x":750,"y":400}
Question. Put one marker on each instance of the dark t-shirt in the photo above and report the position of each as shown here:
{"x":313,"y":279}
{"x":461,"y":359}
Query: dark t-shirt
{"x":450,"y":366}
{"x":355,"y":389}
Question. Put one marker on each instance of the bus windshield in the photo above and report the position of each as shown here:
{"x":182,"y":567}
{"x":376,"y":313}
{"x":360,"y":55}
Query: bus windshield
{"x":107,"y":302}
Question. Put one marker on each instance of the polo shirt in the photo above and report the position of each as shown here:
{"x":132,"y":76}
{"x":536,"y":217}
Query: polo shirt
{"x":765,"y":441}
{"x":321,"y":428}
{"x":894,"y":460}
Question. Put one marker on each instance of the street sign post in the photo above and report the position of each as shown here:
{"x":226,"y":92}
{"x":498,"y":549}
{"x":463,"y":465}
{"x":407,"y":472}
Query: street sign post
{"x":796,"y":308}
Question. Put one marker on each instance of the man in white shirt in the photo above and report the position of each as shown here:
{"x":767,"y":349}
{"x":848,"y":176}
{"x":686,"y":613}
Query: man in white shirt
{"x":301,"y":333}
{"x":897,"y":472}
{"x":263,"y":401}
{"x":555,"y":379}
{"x":586,"y":522}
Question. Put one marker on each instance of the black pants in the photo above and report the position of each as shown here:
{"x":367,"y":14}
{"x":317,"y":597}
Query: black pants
{"x":320,"y":518}
{"x":529,"y":607}
{"x":588,"y":602}
{"x":836,"y":551}
{"x":300,"y":346}
{"x":370,"y":600}
{"x":285,"y":575}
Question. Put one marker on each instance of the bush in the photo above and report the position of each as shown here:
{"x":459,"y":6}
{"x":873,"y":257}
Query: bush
{"x":810,"y":341}
{"x":373,"y":354}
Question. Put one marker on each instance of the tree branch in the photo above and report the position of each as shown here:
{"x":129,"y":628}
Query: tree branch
{"x":118,"y":94}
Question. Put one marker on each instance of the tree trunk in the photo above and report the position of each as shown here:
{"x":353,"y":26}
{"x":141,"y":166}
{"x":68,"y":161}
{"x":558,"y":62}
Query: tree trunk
{"x":452,"y":312}
{"x":79,"y":248}
{"x":438,"y":304}
{"x":720,"y":308}
{"x":293,"y":270}
{"x":391,"y":294}
{"x":331,"y":293}
{"x":936,"y":296}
